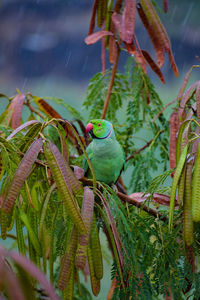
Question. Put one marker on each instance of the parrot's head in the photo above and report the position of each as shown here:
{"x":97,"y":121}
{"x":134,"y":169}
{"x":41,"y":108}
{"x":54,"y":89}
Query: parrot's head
{"x":99,"y":129}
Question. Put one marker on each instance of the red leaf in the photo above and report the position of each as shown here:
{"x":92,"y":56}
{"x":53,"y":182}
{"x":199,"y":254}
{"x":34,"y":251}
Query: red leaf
{"x":153,"y":65}
{"x":165,"y":4}
{"x":117,"y":21}
{"x":137,"y":54}
{"x":95,"y":37}
{"x":128,"y":21}
{"x":92,"y":20}
{"x":16,"y":106}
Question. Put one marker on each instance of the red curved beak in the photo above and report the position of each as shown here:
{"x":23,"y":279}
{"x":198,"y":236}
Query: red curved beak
{"x":89,"y":127}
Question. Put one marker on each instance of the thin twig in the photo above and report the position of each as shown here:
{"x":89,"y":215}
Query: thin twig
{"x":164,"y":108}
{"x":136,"y":203}
{"x":144,"y":147}
{"x":34,"y":110}
{"x":114,"y":70}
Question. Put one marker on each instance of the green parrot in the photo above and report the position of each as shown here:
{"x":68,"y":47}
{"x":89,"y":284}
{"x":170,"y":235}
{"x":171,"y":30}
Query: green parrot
{"x":105,"y":153}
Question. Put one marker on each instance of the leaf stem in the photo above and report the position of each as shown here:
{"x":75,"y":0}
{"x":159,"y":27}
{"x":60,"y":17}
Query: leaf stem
{"x":114,"y":70}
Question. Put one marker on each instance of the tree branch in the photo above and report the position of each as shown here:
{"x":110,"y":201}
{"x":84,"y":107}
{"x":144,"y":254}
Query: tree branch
{"x":114,"y":70}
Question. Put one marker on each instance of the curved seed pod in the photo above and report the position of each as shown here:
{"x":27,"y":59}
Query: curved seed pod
{"x":58,"y":169}
{"x":128,"y":21}
{"x":3,"y":219}
{"x":182,"y":138}
{"x":83,"y":239}
{"x":177,"y":175}
{"x":11,"y":219}
{"x":187,"y":206}
{"x":198,"y":101}
{"x":30,"y":135}
{"x":95,"y":283}
{"x":196,"y":187}
{"x":33,"y":237}
{"x":96,"y":253}
{"x":181,"y":186}
{"x":20,"y":237}
{"x":69,"y":290}
{"x":1,"y":167}
{"x":67,"y":263}
{"x":174,"y":124}
{"x":22,"y":173}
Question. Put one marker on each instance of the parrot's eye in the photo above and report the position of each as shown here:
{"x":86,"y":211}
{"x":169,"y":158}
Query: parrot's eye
{"x":99,"y":124}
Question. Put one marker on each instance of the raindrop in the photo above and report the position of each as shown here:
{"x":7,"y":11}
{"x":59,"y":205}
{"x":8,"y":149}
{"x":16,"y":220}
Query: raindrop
{"x":85,"y":64}
{"x":68,"y":58}
{"x":24,"y":84}
{"x":188,"y":14}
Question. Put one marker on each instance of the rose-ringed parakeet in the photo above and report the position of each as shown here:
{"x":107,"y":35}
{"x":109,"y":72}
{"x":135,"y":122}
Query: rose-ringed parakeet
{"x":105,"y":152}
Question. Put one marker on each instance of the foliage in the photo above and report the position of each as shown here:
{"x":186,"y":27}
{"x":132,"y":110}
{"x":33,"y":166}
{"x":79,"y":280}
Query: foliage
{"x":54,"y":213}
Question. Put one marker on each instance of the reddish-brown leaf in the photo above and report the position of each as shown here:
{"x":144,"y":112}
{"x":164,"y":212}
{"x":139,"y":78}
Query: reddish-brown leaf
{"x":16,"y":107}
{"x":174,"y":126}
{"x":21,"y":127}
{"x":153,"y":65}
{"x":117,"y":21}
{"x":156,"y":32}
{"x":128,"y":21}
{"x":95,"y":37}
{"x":30,"y":268}
{"x":92,"y":20}
{"x":112,"y":44}
{"x":46,"y":108}
{"x":103,"y":56}
{"x":137,"y":55}
{"x":173,"y":64}
{"x":165,"y":5}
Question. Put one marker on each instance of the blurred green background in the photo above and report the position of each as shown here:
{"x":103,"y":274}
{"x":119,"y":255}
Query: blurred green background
{"x":42,"y":51}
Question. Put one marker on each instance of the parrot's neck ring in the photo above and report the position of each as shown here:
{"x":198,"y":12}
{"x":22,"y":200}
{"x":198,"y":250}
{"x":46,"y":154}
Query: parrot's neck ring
{"x":99,"y":138}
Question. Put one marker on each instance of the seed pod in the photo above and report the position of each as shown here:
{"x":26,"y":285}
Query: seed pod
{"x":181,"y":186}
{"x":87,"y":214}
{"x":196,"y":188}
{"x":177,"y":175}
{"x":67,"y":263}
{"x":95,"y":283}
{"x":58,"y":169}
{"x":95,"y":247}
{"x":187,"y":206}
{"x":174,"y":123}
{"x":1,"y":167}
{"x":69,"y":290}
{"x":3,"y":219}
{"x":22,"y":173}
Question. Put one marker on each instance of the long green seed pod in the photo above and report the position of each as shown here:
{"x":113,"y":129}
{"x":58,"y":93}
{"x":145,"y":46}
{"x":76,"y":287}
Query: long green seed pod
{"x":181,"y":186}
{"x":67,"y":263}
{"x":1,"y":167}
{"x":11,"y":219}
{"x":96,"y":253}
{"x":187,"y":206}
{"x":58,"y":170}
{"x":177,"y":175}
{"x":196,"y":188}
{"x":20,"y":236}
{"x":4,"y":217}
{"x":30,"y":135}
{"x":83,"y":239}
{"x":22,"y":173}
{"x":95,"y":283}
{"x":69,"y":290}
